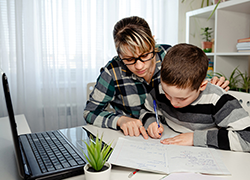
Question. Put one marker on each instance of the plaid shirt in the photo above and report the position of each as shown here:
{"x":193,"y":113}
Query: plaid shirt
{"x":125,"y":91}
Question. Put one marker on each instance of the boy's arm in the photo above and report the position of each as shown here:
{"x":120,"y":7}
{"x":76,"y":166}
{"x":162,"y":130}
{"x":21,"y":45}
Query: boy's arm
{"x":233,"y":132}
{"x":148,"y":118}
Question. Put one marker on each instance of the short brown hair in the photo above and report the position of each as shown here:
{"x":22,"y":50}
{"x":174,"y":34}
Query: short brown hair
{"x":184,"y":66}
{"x":131,"y":33}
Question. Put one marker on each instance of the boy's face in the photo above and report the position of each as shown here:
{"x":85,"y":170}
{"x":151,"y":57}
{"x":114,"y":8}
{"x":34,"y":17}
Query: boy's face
{"x":180,"y":98}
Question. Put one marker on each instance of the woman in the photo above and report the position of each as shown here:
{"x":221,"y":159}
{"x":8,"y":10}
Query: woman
{"x":126,"y":80}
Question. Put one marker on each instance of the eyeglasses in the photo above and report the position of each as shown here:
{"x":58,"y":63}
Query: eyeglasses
{"x":142,"y":58}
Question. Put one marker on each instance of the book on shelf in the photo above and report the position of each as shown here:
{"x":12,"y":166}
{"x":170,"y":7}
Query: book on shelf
{"x":243,"y":45}
{"x":244,"y":50}
{"x":243,"y":40}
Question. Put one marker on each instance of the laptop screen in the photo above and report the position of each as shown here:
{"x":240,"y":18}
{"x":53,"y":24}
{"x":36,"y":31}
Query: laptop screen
{"x":13,"y":125}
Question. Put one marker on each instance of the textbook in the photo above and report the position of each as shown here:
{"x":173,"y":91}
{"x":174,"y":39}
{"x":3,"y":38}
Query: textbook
{"x":156,"y":157}
{"x":243,"y":40}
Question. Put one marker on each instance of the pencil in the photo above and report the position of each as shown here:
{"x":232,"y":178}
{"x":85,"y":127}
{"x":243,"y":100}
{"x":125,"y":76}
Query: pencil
{"x":133,"y":173}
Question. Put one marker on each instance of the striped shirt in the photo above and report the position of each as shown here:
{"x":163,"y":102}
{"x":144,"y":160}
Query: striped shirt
{"x":216,"y":118}
{"x":118,"y":86}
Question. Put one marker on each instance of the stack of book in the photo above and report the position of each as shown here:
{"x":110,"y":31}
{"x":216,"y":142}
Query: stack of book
{"x":243,"y":45}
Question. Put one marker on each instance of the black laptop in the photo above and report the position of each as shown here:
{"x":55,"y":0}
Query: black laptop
{"x":47,"y":155}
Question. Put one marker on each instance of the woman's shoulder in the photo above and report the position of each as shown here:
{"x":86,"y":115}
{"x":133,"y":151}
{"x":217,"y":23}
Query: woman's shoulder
{"x":163,"y":47}
{"x":115,"y":68}
{"x":162,"y":50}
{"x":115,"y":62}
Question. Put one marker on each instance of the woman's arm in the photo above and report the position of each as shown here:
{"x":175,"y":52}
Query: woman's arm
{"x":100,"y":97}
{"x":95,"y":113}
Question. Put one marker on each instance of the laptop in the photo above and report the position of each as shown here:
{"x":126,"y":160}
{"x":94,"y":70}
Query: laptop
{"x":47,"y":155}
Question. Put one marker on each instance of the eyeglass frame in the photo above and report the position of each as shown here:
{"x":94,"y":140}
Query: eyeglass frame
{"x":139,"y":58}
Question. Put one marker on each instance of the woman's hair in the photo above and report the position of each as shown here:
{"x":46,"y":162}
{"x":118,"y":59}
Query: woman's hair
{"x":131,"y":33}
{"x":184,"y":66}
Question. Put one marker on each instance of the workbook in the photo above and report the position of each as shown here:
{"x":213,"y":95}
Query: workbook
{"x":156,"y":157}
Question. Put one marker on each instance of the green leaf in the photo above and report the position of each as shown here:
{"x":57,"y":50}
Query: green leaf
{"x":97,"y":155}
{"x":202,"y":3}
{"x":214,"y":10}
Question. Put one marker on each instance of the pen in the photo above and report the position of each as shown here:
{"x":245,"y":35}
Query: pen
{"x":133,"y":173}
{"x":156,"y":114}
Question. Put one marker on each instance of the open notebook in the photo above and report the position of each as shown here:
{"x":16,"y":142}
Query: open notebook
{"x":151,"y":155}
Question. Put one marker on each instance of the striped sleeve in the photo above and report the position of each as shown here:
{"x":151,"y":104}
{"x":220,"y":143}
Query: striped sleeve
{"x":233,"y":124}
{"x":147,"y":114}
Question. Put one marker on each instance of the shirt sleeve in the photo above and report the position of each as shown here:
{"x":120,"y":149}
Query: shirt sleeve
{"x":233,"y":132}
{"x":147,"y":114}
{"x":99,"y":99}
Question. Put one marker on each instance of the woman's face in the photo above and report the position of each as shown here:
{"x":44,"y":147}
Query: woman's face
{"x":141,"y":69}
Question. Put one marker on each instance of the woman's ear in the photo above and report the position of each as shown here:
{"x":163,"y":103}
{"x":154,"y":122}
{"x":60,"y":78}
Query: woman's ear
{"x":203,"y":85}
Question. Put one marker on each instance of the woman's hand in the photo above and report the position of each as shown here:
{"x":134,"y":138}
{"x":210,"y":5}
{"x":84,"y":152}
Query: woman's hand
{"x":154,"y":131}
{"x":132,"y":127}
{"x":220,"y":82}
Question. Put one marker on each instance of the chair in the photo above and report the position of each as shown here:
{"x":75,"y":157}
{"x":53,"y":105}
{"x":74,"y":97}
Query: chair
{"x":243,"y":98}
{"x":90,"y":87}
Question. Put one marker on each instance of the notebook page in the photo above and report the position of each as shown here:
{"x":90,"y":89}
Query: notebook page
{"x":156,"y":157}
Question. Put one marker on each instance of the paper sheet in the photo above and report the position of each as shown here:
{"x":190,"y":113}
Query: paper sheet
{"x":190,"y":176}
{"x":156,"y":157}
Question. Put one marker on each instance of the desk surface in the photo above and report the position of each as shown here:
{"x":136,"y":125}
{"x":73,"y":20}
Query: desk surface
{"x":237,"y":163}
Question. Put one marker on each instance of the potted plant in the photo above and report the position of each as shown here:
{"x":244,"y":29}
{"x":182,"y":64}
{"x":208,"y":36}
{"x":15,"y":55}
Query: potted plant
{"x":97,"y":167}
{"x":245,"y":81}
{"x":207,"y":44}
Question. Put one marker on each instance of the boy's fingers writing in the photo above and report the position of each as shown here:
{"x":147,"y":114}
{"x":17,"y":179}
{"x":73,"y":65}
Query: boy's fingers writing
{"x":154,"y":131}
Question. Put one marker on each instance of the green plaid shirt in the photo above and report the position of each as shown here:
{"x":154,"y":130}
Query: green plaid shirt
{"x":118,"y":86}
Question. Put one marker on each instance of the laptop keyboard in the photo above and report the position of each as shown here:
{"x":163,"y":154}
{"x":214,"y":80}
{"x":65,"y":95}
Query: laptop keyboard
{"x":52,"y":151}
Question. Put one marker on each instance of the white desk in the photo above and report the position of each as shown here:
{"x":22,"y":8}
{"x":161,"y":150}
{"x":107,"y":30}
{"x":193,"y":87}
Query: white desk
{"x":237,"y":163}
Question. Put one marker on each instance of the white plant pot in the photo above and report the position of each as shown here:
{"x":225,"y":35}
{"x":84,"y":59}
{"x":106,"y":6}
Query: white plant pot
{"x":103,"y":175}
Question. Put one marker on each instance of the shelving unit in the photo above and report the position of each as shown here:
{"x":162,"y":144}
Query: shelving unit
{"x":230,"y":22}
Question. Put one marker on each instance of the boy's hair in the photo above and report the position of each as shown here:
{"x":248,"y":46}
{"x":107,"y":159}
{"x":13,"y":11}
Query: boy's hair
{"x":184,"y":66}
{"x":131,"y":33}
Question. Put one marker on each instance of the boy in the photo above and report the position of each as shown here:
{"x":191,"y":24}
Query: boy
{"x":204,"y":114}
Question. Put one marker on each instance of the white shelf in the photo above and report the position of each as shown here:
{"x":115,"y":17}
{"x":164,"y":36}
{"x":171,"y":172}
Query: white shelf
{"x":230,"y":22}
{"x":201,"y":13}
{"x":233,"y":54}
{"x":241,"y":6}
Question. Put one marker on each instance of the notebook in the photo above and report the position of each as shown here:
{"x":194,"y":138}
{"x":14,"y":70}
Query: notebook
{"x":47,"y":155}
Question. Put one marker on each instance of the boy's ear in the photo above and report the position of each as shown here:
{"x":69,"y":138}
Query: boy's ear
{"x":203,"y":85}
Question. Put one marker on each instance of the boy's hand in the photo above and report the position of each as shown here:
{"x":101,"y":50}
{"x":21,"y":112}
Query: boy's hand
{"x":154,"y":131}
{"x":132,"y":127}
{"x":185,"y":139}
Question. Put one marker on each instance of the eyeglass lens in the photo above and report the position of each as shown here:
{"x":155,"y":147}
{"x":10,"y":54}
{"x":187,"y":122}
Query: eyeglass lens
{"x":142,"y":58}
